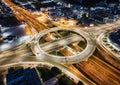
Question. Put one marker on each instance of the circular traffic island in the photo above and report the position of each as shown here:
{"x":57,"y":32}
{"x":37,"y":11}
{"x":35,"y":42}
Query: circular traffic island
{"x":64,"y":45}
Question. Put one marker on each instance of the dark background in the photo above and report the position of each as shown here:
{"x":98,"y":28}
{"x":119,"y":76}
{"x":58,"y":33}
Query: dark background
{"x":89,"y":3}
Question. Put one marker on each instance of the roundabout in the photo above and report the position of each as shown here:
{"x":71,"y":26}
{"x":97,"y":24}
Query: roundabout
{"x":40,"y":50}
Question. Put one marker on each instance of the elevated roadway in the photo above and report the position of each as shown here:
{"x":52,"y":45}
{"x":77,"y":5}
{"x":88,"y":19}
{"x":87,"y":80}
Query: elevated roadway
{"x":40,"y":53}
{"x":49,"y":46}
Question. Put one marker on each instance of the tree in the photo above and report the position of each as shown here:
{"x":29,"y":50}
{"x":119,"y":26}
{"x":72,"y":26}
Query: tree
{"x":55,"y":71}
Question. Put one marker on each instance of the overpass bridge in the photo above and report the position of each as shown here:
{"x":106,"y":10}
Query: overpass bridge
{"x":39,"y":50}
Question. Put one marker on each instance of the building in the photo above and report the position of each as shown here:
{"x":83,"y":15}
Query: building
{"x":115,"y":38}
{"x":23,"y":77}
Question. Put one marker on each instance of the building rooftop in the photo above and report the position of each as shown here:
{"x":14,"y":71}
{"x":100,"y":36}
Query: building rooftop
{"x":5,"y":11}
{"x":23,"y":77}
{"x":115,"y":37}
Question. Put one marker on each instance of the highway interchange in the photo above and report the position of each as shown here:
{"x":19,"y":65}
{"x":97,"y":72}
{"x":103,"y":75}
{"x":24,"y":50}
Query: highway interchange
{"x":96,"y":68}
{"x":73,"y":59}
